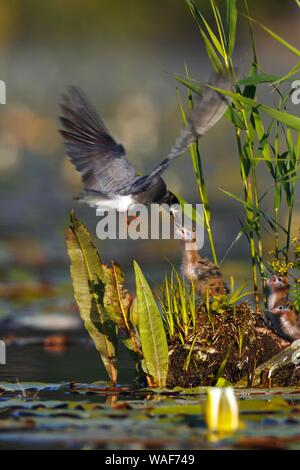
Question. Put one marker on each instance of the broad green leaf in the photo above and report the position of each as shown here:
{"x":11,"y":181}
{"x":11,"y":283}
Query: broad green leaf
{"x":87,"y":278}
{"x":151,"y":330}
{"x":117,"y":300}
{"x":134,"y":312}
{"x":118,"y":303}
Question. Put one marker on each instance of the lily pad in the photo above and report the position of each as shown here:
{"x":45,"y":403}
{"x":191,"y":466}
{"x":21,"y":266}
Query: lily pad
{"x":30,"y":386}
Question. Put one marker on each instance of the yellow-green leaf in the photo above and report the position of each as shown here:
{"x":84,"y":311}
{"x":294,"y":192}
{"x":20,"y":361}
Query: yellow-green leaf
{"x":231,"y":24}
{"x":278,"y":38}
{"x":117,"y":299}
{"x":87,"y":278}
{"x":151,"y":330}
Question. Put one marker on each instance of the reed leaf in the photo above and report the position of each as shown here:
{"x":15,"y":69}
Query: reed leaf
{"x":277,"y":38}
{"x":290,"y":120}
{"x":211,"y":52}
{"x":231,"y":24}
{"x":199,"y":17}
{"x":259,"y":78}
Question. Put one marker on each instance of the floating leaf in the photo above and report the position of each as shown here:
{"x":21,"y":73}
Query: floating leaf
{"x":273,"y":405}
{"x":181,"y":409}
{"x":30,"y":386}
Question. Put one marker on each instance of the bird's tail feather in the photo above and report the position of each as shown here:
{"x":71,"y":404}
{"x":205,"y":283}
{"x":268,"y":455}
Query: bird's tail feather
{"x":207,"y":111}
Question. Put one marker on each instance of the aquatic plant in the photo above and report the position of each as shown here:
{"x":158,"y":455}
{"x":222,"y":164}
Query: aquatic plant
{"x":221,"y":410}
{"x":181,"y":333}
{"x":183,"y":340}
{"x":274,"y":144}
{"x":109,"y":312}
{"x":88,"y":283}
{"x":178,"y":304}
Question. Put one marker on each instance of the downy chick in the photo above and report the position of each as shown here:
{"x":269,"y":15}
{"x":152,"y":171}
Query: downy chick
{"x":277,"y":290}
{"x":204,"y":274}
{"x":285,"y":321}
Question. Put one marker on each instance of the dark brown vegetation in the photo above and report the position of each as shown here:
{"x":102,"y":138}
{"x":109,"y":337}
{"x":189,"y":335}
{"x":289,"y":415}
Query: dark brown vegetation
{"x":229,"y":345}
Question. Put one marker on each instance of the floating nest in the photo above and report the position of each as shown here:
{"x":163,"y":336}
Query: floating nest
{"x":229,"y":346}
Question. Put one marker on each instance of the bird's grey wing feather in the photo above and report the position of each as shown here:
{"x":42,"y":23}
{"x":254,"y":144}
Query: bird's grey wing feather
{"x":93,"y":151}
{"x":210,"y":107}
{"x":207,"y":111}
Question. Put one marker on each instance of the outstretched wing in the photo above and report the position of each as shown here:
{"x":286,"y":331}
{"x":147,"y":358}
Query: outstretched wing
{"x":207,"y":111}
{"x":95,"y":154}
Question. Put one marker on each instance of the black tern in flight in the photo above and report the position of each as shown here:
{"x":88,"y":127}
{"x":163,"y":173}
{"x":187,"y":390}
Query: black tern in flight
{"x":109,"y":179}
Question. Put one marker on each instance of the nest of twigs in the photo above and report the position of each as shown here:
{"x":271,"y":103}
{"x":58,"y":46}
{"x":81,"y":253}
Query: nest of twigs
{"x":226,"y":346}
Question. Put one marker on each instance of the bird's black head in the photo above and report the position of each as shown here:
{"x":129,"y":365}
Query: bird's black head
{"x":170,"y":199}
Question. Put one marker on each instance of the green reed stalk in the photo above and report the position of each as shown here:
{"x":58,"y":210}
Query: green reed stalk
{"x":200,"y":181}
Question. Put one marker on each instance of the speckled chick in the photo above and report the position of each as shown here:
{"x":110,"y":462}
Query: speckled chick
{"x":198,"y":270}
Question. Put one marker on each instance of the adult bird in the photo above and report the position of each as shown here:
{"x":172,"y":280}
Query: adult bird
{"x":110,"y":181}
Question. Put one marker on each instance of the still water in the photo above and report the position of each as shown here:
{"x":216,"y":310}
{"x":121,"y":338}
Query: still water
{"x":56,"y":396}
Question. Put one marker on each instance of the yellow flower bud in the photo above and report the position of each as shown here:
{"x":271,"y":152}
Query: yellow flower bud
{"x":221,"y":410}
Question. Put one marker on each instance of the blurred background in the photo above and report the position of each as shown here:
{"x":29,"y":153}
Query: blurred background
{"x":124,"y":54}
